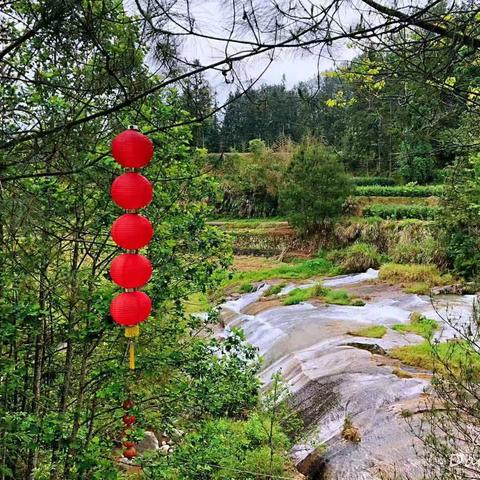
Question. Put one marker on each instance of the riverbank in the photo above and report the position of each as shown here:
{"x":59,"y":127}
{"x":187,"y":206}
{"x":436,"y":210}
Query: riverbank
{"x":340,"y":374}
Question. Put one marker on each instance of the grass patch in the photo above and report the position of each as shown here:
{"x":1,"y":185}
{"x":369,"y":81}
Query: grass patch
{"x":401,"y":373}
{"x":456,"y":354}
{"x":419,"y":324}
{"x":274,"y":289}
{"x":246,"y":288}
{"x":414,"y":277}
{"x":334,"y":297}
{"x":375,"y":331}
{"x":301,"y":269}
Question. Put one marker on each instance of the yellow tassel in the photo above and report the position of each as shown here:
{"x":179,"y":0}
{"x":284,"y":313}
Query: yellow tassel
{"x":131,"y":352}
{"x":132,"y":331}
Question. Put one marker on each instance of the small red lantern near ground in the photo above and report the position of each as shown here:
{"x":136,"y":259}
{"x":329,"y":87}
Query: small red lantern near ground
{"x":130,"y":308}
{"x":132,"y":231}
{"x":130,"y":453}
{"x":131,"y":191}
{"x":129,"y":419}
{"x":131,"y":270}
{"x":131,"y":149}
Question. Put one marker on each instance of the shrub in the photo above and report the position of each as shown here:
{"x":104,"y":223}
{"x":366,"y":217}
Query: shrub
{"x":459,"y":218}
{"x":315,"y":187}
{"x":400,"y":212}
{"x":400,"y":191}
{"x":425,"y":250}
{"x":357,"y":258}
{"x":367,"y":181}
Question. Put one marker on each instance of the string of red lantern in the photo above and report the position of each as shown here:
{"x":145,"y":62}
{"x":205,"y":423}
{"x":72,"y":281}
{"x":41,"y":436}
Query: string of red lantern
{"x":131,"y":231}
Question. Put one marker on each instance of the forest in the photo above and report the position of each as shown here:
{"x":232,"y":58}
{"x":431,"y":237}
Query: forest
{"x":315,"y":258}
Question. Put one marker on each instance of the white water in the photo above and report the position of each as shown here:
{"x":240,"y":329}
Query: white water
{"x":330,"y":379}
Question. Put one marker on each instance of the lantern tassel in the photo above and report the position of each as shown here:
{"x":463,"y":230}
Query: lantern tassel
{"x":131,"y":333}
{"x":131,"y":352}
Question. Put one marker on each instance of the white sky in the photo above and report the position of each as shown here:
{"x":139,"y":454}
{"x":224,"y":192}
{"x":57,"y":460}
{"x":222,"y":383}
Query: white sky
{"x":213,"y":19}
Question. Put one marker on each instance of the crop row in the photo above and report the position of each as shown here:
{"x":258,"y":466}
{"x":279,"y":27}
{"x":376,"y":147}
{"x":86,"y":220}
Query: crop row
{"x":400,"y":212}
{"x":399,"y":191}
{"x":369,"y":181}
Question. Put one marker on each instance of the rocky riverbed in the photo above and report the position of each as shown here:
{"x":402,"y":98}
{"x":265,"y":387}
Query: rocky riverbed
{"x":334,"y":375}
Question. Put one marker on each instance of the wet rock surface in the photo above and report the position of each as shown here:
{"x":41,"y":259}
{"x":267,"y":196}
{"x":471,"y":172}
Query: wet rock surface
{"x":333,"y":376}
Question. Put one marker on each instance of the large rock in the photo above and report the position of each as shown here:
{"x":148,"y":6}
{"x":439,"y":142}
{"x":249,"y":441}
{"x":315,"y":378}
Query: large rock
{"x":149,"y":443}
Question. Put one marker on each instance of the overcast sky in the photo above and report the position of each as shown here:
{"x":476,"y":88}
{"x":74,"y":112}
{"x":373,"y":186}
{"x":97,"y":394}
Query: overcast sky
{"x":213,"y":17}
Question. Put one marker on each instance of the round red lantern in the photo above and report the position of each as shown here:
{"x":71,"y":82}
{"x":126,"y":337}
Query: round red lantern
{"x":131,"y":270}
{"x":129,"y":419}
{"x":131,"y":149}
{"x":130,"y":453}
{"x":132,"y":231}
{"x":130,"y":308}
{"x":131,"y":191}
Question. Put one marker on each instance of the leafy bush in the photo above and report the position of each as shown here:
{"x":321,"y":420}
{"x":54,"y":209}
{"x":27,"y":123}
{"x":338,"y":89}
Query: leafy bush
{"x":400,"y":212}
{"x":223,"y":448}
{"x":399,"y":191}
{"x":357,"y":257}
{"x":315,"y":186}
{"x":368,"y":181}
{"x":460,"y":220}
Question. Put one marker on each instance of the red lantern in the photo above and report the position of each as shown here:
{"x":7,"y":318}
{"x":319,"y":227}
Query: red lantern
{"x":131,"y":149}
{"x":132,"y":231}
{"x":131,"y":191}
{"x":130,"y":308}
{"x":130,"y":453}
{"x":129,"y":419}
{"x":131,"y":270}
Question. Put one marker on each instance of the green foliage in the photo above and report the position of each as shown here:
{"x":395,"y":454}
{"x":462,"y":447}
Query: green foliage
{"x":327,"y":295}
{"x":416,"y":162}
{"x":375,"y":331}
{"x":357,"y":257}
{"x":250,"y":181}
{"x":238,"y":450}
{"x":459,"y":218}
{"x":400,"y":212}
{"x":370,"y":181}
{"x":274,"y":289}
{"x":246,"y":288}
{"x":299,"y":270}
{"x":419,"y":324}
{"x":315,"y":187}
{"x":440,"y":356}
{"x":400,"y":191}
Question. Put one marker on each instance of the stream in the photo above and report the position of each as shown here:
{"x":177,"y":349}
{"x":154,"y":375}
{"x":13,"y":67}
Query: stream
{"x":333,"y":374}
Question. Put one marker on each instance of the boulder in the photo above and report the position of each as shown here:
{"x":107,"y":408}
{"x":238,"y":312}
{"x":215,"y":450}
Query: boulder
{"x":149,"y":443}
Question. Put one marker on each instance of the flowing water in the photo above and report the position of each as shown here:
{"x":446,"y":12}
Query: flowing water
{"x":333,"y":374}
